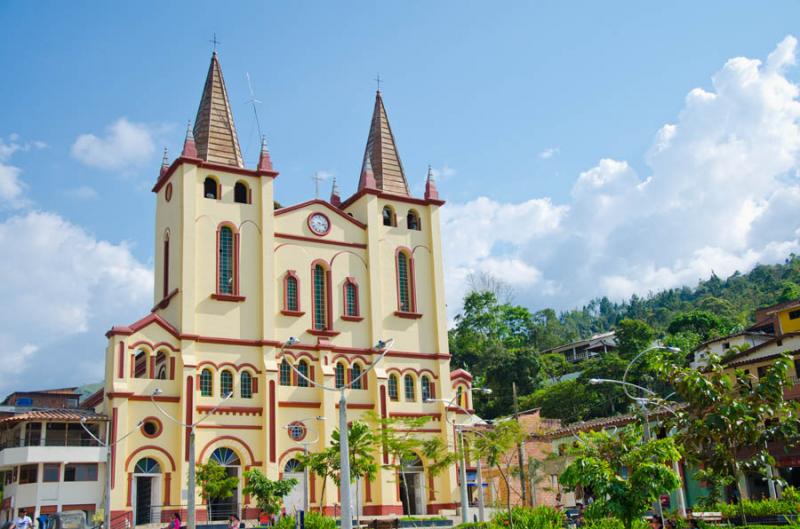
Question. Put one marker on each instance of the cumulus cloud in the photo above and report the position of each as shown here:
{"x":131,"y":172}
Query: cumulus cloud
{"x":720,"y":193}
{"x":124,"y":144}
{"x":11,"y":186}
{"x":548,"y":153}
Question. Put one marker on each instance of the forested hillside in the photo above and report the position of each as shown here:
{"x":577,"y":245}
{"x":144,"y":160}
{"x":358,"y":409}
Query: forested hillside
{"x":500,"y":342}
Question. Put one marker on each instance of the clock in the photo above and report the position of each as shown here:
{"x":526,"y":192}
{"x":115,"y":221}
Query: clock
{"x":319,"y":224}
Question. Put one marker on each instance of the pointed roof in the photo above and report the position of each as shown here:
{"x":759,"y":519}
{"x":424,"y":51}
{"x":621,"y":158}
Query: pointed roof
{"x":380,"y":157}
{"x":214,"y":130}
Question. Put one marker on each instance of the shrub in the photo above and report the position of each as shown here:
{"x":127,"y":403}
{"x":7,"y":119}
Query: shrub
{"x":542,"y":517}
{"x":314,"y":520}
{"x":759,"y":508}
{"x":473,"y":525}
{"x":613,"y":523}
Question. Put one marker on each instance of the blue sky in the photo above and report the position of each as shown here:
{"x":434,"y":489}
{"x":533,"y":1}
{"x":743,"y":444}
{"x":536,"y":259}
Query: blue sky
{"x":543,"y":120}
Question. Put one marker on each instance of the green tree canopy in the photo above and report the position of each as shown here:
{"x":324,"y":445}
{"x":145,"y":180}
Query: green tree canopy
{"x":268,"y":494}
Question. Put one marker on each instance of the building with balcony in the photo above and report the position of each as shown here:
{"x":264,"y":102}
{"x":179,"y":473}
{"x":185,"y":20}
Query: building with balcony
{"x":597,"y":345}
{"x":48,"y":461}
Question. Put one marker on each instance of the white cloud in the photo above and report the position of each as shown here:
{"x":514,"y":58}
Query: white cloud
{"x":548,"y":153}
{"x":82,"y":193}
{"x":443,"y":173}
{"x":124,"y":145}
{"x":720,"y":193}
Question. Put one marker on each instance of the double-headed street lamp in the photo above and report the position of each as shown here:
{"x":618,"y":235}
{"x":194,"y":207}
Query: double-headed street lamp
{"x":463,"y":465}
{"x":344,"y":449}
{"x":305,"y":454}
{"x":191,"y":519}
{"x":108,"y":444}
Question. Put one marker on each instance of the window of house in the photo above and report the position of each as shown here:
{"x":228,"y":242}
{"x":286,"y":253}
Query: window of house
{"x":286,"y":373}
{"x":80,"y":472}
{"x":51,"y":472}
{"x":302,"y":367}
{"x":408,"y":381}
{"x":793,"y":315}
{"x":392,"y":387}
{"x":762,"y":371}
{"x":210,"y":188}
{"x":292,"y":296}
{"x":351,"y":298}
{"x":226,"y":282}
{"x":206,"y":383}
{"x":225,"y":383}
{"x":28,"y":474}
{"x":726,"y":346}
{"x":320,"y":298}
{"x":404,"y":283}
{"x":388,"y":217}
{"x":355,"y":372}
{"x":340,"y":377}
{"x":140,"y":364}
{"x":425,"y":384}
{"x":33,"y":434}
{"x":241,"y":193}
{"x":412,"y":220}
{"x":246,"y":385}
{"x":56,"y":434}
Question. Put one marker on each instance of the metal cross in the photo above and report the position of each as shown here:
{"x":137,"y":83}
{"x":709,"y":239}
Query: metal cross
{"x":378,"y":80}
{"x":214,"y":41}
{"x":317,"y":178}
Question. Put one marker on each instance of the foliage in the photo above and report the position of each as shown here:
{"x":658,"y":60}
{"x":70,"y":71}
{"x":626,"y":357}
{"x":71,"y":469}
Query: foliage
{"x":361,"y":444}
{"x":633,"y":336}
{"x":313,"y":520}
{"x":542,"y":517}
{"x":725,"y":415}
{"x":613,"y":523}
{"x":214,"y":481}
{"x":757,"y":508}
{"x":322,"y":464}
{"x":624,"y":474}
{"x":268,"y":494}
{"x":700,"y":322}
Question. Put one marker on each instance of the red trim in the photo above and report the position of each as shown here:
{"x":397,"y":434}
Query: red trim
{"x":130,"y":489}
{"x":431,"y":490}
{"x":159,"y":427}
{"x":352,"y":318}
{"x":433,"y":416}
{"x":121,"y":361}
{"x":328,"y":334}
{"x":412,"y":298}
{"x":189,"y":409}
{"x":293,"y":313}
{"x":408,"y":315}
{"x":308,"y":223}
{"x":328,"y":299}
{"x":153,"y":346}
{"x":234,"y":295}
{"x":232,"y":410}
{"x":305,"y":432}
{"x":460,"y":373}
{"x":114,"y":420}
{"x":230,"y":426}
{"x":357,"y":406}
{"x":368,"y":491}
{"x":321,"y":241}
{"x":166,"y":268}
{"x":167,"y":487}
{"x":289,"y":312}
{"x":298,"y":404}
{"x":383,"y":510}
{"x":389,"y":196}
{"x":253,"y":461}
{"x":147,"y":320}
{"x":272,"y":441}
{"x":150,"y":447}
{"x":152,"y":367}
{"x":345,"y":316}
{"x":321,"y":203}
{"x":227,"y":297}
{"x":209,"y":165}
{"x":172,"y":368}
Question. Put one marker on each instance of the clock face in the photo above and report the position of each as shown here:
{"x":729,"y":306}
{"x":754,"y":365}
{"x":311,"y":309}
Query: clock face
{"x":319,"y":223}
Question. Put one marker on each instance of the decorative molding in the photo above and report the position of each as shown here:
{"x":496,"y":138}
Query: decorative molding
{"x":227,"y":297}
{"x":407,"y":315}
{"x":231,"y":410}
{"x":290,"y":236}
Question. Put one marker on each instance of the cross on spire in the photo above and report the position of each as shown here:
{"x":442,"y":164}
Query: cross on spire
{"x":378,"y":81}
{"x":317,"y":178}
{"x":214,"y":42}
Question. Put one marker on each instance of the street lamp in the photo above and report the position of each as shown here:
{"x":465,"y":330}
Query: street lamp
{"x":108,"y":445}
{"x":192,"y":479}
{"x":344,"y":449}
{"x":305,"y":454}
{"x":463,"y":465}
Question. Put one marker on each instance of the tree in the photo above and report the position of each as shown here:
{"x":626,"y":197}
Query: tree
{"x":361,"y":442}
{"x":705,"y":324}
{"x":569,"y":401}
{"x":323,"y":465}
{"x":633,"y":337}
{"x":727,"y":414}
{"x":497,"y":446}
{"x":214,"y":481}
{"x":625,"y":475}
{"x":268,"y":494}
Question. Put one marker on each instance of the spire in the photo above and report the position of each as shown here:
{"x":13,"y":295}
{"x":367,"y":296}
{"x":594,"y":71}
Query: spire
{"x":214,"y":130}
{"x":189,"y":146}
{"x":431,"y":193}
{"x":264,"y":161}
{"x":164,"y":163}
{"x":336,"y":199}
{"x":381,"y":160}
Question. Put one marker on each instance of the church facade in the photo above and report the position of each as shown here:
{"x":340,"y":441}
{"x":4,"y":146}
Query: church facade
{"x":235,"y":278}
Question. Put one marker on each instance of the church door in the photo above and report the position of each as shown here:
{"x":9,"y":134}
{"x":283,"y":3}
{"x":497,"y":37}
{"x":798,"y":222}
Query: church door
{"x":146,"y":487}
{"x":222,"y":508}
{"x":293,"y":502}
{"x":412,"y":487}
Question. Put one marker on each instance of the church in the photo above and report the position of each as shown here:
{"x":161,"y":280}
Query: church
{"x":236,"y":276}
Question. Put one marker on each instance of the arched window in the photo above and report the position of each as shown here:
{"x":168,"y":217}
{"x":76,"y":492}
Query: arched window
{"x":340,"y":377}
{"x":147,"y":465}
{"x":246,"y":385}
{"x":225,"y":457}
{"x":321,"y":288}
{"x":412,"y":220}
{"x":286,"y":373}
{"x":225,"y":383}
{"x":388,"y":216}
{"x":460,"y":397}
{"x":140,"y":364}
{"x":355,"y":372}
{"x":410,"y":392}
{"x":210,"y":188}
{"x":241,"y":193}
{"x":405,"y":283}
{"x":351,"y":305}
{"x":293,"y":465}
{"x":291,"y":294}
{"x":227,"y":261}
{"x":166,"y":264}
{"x":206,"y":383}
{"x":302,"y":367}
{"x":161,"y":366}
{"x":393,"y":387}
{"x":425,"y":384}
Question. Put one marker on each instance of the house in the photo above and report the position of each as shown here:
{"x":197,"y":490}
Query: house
{"x":597,"y":345}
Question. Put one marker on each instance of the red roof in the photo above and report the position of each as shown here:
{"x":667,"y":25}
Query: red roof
{"x":54,"y":415}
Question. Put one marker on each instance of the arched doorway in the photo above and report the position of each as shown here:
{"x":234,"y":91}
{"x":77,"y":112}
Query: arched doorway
{"x":294,"y":500}
{"x":412,"y":486}
{"x":221,"y":509}
{"x":145,"y":493}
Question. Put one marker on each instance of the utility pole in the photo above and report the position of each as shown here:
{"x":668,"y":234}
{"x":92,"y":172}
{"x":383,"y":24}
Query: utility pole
{"x":520,"y":452}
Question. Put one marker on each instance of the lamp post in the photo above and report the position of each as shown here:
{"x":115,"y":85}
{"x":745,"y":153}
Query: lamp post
{"x":108,"y":445}
{"x":305,"y":454}
{"x":463,"y":466}
{"x":191,"y":520}
{"x":344,"y":449}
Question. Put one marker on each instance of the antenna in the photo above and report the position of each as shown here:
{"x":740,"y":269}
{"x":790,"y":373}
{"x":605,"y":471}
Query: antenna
{"x":317,"y":178}
{"x":253,"y":102}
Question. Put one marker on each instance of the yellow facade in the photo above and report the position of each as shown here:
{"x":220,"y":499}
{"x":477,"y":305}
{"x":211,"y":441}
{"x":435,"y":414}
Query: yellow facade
{"x":234,"y":327}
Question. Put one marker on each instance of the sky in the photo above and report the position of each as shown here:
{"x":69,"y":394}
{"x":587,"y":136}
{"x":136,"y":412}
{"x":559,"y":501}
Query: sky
{"x":584,"y":148}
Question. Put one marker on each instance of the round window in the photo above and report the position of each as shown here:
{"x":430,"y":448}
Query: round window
{"x":297,"y":431}
{"x":151,"y":428}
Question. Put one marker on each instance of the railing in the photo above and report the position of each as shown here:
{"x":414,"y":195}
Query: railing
{"x":51,"y":442}
{"x":163,"y":515}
